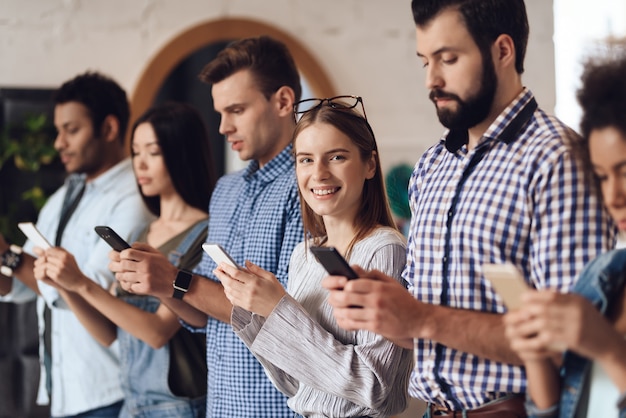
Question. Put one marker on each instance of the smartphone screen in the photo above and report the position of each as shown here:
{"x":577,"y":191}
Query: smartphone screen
{"x":32,"y":233}
{"x":112,"y":238}
{"x":333,"y":262}
{"x":508,"y":282}
{"x":219,"y":254}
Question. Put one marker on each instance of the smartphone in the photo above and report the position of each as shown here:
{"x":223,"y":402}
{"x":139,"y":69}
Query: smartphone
{"x":32,"y":233}
{"x":219,"y":254}
{"x":333,"y":262}
{"x":112,"y":238}
{"x":508,"y":282}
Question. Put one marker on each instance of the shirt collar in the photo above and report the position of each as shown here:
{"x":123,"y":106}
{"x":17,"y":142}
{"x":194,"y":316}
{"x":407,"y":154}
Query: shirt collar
{"x":108,"y":178}
{"x":502,"y":128}
{"x":274,"y":168}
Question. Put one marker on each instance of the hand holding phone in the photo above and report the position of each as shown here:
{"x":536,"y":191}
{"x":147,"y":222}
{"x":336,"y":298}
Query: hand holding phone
{"x":333,"y":262}
{"x":508,"y":282}
{"x":32,"y":233}
{"x":112,"y":238}
{"x":219,"y":254}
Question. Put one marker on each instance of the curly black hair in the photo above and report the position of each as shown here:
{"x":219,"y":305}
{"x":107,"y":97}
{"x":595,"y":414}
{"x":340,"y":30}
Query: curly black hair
{"x":602,"y":96}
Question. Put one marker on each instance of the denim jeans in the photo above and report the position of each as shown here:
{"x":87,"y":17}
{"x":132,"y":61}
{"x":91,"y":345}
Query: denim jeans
{"x":110,"y":411}
{"x":195,"y":408}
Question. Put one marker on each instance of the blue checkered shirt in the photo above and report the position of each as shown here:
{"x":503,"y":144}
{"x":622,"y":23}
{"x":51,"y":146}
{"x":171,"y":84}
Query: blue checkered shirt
{"x":519,"y":196}
{"x":254,"y":215}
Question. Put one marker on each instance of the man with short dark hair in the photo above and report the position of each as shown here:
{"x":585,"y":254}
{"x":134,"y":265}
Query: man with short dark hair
{"x":91,"y":114}
{"x":254,"y":215}
{"x":502,"y":185}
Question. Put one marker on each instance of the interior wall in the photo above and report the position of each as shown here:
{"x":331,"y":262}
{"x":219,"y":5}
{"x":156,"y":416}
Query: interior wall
{"x":367,"y":47}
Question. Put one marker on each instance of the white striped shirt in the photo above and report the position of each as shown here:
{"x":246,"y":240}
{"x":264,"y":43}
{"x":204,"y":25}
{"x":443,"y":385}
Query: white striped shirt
{"x":325,"y":370}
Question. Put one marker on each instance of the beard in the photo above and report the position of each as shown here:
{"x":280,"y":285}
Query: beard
{"x":473,"y":110}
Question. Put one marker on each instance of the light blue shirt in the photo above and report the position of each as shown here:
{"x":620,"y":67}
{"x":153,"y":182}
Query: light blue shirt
{"x":85,"y":374}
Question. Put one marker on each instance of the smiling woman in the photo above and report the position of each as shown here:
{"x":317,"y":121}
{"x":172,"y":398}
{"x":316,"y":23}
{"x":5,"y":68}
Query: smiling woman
{"x":323,"y":369}
{"x":331,"y":174}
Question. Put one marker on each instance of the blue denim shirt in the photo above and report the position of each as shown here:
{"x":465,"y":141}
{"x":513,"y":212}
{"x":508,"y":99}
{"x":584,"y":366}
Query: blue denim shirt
{"x":600,"y":282}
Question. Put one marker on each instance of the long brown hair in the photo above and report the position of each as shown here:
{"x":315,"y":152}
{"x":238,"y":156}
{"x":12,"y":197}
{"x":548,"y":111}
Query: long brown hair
{"x":374,"y":208}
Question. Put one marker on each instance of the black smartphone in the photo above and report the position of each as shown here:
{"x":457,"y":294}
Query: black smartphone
{"x":112,"y":238}
{"x":333,"y":262}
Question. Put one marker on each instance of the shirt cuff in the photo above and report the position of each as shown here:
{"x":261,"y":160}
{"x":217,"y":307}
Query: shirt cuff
{"x":191,"y":328}
{"x":50,"y":295}
{"x":621,"y":402}
{"x":246,"y":324}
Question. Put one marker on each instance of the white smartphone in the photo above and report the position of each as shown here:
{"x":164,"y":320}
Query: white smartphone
{"x":219,"y":254}
{"x":508,"y":282}
{"x":32,"y":233}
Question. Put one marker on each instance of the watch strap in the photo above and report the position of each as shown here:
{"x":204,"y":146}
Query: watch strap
{"x":6,"y":271}
{"x":10,"y":260}
{"x":181,"y":284}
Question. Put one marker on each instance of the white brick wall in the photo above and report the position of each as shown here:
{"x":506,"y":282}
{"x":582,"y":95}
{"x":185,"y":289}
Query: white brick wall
{"x":366,"y":46}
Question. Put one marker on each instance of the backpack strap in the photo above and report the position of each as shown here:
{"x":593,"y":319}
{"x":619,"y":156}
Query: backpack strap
{"x":197,"y":235}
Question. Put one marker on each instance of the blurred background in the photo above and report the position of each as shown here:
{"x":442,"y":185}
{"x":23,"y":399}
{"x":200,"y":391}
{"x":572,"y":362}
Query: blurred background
{"x":155,"y":49}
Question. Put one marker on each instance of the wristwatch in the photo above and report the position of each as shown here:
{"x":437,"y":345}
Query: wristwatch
{"x":181,"y":284}
{"x":11,"y":259}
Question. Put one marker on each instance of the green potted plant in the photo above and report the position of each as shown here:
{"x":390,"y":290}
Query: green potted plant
{"x":24,"y":150}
